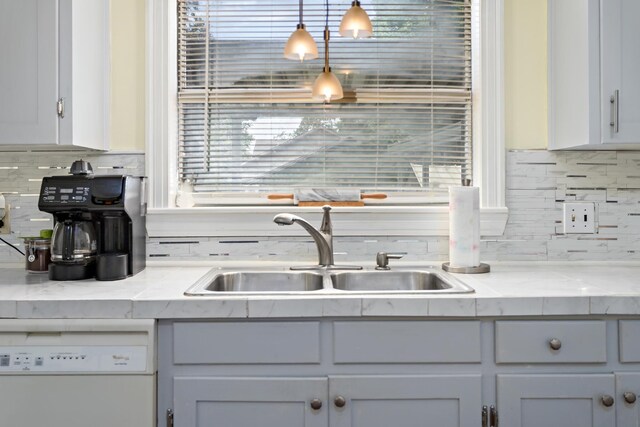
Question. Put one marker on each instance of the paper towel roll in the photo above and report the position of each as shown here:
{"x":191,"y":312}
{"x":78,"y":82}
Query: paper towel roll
{"x":464,"y":226}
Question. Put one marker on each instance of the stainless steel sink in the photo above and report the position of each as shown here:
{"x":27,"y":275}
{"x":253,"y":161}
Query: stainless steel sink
{"x":257,"y":282}
{"x":323,"y":281}
{"x":422,"y":281}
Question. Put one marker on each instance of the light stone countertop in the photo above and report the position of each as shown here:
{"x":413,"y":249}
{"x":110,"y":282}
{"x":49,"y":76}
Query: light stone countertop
{"x":511,"y":289}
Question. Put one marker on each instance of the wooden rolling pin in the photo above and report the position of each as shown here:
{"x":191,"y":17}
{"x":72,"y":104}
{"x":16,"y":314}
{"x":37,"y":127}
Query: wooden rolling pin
{"x":333,"y":197}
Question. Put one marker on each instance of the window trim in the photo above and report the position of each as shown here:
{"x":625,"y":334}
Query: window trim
{"x":165,"y":220}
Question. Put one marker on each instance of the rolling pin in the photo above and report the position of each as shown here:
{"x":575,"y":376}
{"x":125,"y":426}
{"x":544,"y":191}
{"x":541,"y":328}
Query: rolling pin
{"x":322,"y":196}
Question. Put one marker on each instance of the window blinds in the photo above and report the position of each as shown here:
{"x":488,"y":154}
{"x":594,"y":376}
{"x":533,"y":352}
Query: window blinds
{"x":247,"y":122}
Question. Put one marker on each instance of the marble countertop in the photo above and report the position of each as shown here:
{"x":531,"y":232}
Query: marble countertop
{"x":511,"y":289}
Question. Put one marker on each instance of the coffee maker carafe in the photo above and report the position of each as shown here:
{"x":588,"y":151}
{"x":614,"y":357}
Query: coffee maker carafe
{"x":99,"y":224}
{"x":74,"y":248}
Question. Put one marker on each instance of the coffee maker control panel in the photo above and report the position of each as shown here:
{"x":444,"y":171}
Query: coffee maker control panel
{"x":72,"y":195}
{"x":64,"y":193}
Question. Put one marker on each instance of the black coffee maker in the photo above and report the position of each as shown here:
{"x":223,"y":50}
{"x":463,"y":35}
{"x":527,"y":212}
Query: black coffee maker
{"x":99,"y":227}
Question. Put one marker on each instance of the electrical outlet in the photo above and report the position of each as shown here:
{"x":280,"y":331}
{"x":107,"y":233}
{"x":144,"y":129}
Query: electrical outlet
{"x":4,"y":216}
{"x":5,"y":222}
{"x":579,"y":218}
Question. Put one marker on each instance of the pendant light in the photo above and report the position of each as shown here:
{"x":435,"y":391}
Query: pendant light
{"x":300,"y":44}
{"x":356,"y":23}
{"x":327,"y":87}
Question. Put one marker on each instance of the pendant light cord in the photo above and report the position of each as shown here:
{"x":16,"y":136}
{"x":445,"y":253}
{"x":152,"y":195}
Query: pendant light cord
{"x":326,"y":22}
{"x":14,"y":247}
{"x":300,"y":11}
{"x":326,"y":38}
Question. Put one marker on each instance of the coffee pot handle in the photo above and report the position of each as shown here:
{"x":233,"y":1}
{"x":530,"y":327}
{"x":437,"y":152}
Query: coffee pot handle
{"x":67,"y":240}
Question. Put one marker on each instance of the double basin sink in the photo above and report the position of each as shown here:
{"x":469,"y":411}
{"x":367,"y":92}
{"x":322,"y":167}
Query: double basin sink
{"x":419,"y":281}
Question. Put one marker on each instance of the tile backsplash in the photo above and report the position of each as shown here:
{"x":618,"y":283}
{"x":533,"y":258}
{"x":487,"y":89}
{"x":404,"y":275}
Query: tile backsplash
{"x":538,"y":182}
{"x":21,"y":174}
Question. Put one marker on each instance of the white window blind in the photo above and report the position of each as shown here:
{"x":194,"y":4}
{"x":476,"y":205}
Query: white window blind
{"x":247,"y":123}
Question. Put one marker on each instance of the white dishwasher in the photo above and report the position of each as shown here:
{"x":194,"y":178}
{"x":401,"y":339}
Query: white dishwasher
{"x":77,"y":373}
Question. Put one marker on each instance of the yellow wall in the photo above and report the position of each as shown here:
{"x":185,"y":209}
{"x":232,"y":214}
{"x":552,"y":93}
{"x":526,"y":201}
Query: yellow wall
{"x":526,"y":74}
{"x":127,"y":74}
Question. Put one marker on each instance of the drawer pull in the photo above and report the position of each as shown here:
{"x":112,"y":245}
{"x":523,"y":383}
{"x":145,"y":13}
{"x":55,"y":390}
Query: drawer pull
{"x":339,"y":401}
{"x":316,"y":404}
{"x":555,"y":344}
{"x":629,"y":397}
{"x":607,"y":400}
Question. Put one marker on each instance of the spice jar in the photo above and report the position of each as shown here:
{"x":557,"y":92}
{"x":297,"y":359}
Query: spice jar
{"x":38,"y":252}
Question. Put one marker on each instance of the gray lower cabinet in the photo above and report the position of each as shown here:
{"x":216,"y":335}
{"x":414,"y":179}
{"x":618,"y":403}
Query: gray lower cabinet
{"x":320,"y":373}
{"x":627,"y":406}
{"x":557,"y":400}
{"x":399,"y":373}
{"x":405,"y":401}
{"x":336,"y":401}
{"x":249,"y":401}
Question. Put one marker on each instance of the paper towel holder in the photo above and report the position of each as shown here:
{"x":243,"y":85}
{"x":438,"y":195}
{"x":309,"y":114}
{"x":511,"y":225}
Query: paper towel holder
{"x":482,"y":268}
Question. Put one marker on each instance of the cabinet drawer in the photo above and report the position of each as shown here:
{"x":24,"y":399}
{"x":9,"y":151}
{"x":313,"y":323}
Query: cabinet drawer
{"x":629,"y":337}
{"x":246,"y":343}
{"x":406,"y":342}
{"x":551,"y":342}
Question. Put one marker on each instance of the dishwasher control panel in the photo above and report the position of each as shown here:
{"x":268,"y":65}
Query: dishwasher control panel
{"x":52,"y":359}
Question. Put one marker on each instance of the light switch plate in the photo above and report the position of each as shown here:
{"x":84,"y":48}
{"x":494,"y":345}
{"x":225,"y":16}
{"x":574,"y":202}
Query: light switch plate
{"x":579,"y":218}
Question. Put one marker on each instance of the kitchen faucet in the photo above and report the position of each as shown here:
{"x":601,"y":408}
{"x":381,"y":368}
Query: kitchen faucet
{"x":322,"y":237}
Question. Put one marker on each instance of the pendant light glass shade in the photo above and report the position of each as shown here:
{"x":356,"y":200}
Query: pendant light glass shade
{"x":356,"y":23}
{"x":327,"y":87}
{"x":301,"y":46}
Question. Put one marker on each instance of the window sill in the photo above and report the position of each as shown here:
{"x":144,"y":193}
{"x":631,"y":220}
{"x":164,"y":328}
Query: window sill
{"x":347,"y":221}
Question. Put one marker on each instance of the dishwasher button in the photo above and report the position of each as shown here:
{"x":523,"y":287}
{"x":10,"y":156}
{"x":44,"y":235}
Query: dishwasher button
{"x":4,"y":360}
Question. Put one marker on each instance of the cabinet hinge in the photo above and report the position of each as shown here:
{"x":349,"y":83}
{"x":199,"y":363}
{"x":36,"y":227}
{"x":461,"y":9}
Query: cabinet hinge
{"x":489,"y":416}
{"x":493,"y":416}
{"x":60,"y":108}
{"x":169,"y":417}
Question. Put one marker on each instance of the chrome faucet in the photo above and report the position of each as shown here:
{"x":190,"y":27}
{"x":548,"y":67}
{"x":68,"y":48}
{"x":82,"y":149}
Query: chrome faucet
{"x":323,"y":237}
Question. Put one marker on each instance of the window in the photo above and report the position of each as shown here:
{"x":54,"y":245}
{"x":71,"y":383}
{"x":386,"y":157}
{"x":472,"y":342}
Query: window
{"x":164,"y":219}
{"x":247,"y":124}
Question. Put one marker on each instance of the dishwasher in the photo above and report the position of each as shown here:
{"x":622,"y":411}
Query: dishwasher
{"x":77,"y":373}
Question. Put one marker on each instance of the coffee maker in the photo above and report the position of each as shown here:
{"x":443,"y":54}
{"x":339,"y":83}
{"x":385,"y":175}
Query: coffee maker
{"x":99,"y":224}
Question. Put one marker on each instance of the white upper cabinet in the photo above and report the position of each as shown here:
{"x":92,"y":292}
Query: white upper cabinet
{"x":594,"y":77}
{"x":620,"y":39}
{"x":54,"y":75}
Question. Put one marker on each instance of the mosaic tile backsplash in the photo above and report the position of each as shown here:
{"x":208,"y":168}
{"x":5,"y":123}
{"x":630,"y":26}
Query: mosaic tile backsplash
{"x":538,"y":182}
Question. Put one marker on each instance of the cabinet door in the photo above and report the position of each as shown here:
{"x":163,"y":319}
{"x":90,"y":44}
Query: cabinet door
{"x":620,"y":33}
{"x":555,"y":400}
{"x":249,"y":401}
{"x":28,"y":75}
{"x":405,"y":401}
{"x":627,"y":406}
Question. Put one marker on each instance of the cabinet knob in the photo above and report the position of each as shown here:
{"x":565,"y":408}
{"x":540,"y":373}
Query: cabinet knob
{"x":607,"y":400}
{"x":555,"y":344}
{"x":339,"y":401}
{"x":316,"y":404}
{"x":629,"y":397}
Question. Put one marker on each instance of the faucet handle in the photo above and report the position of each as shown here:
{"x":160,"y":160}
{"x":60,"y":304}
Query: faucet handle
{"x":326,"y":227}
{"x":382,"y":260}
